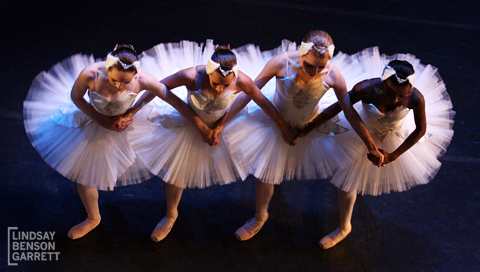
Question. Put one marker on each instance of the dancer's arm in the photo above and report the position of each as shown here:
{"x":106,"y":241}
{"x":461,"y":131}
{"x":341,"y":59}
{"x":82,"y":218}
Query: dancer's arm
{"x":417,"y":104}
{"x":144,"y":99}
{"x":356,"y":94}
{"x":323,"y":117}
{"x":252,"y":91}
{"x":84,"y":82}
{"x":162,"y":90}
{"x":126,"y":119}
{"x":351,"y":114}
{"x":271,"y":69}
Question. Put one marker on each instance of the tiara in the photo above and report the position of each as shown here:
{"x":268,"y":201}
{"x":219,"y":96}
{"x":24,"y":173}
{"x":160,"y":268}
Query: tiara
{"x":213,"y":66}
{"x":306,"y":47}
{"x":389,"y":71}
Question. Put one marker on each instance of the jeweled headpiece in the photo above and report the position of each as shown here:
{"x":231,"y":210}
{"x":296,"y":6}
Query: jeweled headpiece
{"x":306,"y":47}
{"x":389,"y":71}
{"x":112,"y":60}
{"x":213,"y":66}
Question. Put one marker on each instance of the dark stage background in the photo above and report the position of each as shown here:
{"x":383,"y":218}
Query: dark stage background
{"x":429,"y":228}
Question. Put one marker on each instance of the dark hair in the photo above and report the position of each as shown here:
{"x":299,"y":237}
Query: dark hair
{"x":127,"y":54}
{"x":225,"y":57}
{"x":403,"y":69}
{"x":318,"y":38}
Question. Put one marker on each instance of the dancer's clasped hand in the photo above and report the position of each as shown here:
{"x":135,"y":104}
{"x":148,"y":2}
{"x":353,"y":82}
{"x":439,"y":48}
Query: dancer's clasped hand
{"x":385,"y":158}
{"x":123,"y":121}
{"x":290,"y":136}
{"x":118,"y":123}
{"x":209,"y":137}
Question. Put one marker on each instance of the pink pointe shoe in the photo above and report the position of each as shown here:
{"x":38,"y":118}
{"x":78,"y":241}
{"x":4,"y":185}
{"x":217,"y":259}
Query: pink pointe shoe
{"x":82,"y":229}
{"x":334,"y":238}
{"x":163,"y":228}
{"x":250,"y":228}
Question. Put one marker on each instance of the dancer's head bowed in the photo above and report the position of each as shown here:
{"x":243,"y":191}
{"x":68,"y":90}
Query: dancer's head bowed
{"x":315,"y":51}
{"x":398,"y":78}
{"x":222,"y":68}
{"x":122,"y":65}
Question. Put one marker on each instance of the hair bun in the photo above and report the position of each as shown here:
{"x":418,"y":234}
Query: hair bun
{"x":222,"y":47}
{"x":124,"y":46}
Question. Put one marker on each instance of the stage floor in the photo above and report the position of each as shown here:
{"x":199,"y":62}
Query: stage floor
{"x":429,"y":228}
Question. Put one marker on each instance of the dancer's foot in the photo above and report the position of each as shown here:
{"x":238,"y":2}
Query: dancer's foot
{"x":334,"y":238}
{"x":163,"y":227}
{"x":250,"y":228}
{"x":85,"y":227}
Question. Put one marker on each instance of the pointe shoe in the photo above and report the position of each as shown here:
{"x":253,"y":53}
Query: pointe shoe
{"x":163,"y":228}
{"x":82,"y":229}
{"x":333,"y":238}
{"x":250,"y":228}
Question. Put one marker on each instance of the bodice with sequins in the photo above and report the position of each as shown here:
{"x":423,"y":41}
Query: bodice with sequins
{"x":208,"y":107}
{"x":115,"y":106}
{"x":383,"y":124}
{"x":296,"y":101}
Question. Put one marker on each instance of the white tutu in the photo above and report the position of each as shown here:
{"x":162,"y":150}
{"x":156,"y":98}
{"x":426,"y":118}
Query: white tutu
{"x":260,"y":147}
{"x":171,"y":147}
{"x":256,"y":142}
{"x":179,"y":156}
{"x":71,"y":143}
{"x":419,"y":164}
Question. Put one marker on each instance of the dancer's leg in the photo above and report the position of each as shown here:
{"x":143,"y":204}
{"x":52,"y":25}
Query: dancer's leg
{"x":263,"y":195}
{"x":89,"y":197}
{"x":346,"y":201}
{"x":173,"y":196}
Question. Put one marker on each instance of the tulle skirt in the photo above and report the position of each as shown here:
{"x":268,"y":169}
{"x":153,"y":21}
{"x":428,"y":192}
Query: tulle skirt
{"x":256,"y":142}
{"x":71,"y":143}
{"x":178,"y":155}
{"x":172,"y":148}
{"x":420,"y":163}
{"x":259,"y":147}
